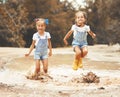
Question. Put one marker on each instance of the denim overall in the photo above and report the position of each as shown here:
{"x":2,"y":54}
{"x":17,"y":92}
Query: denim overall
{"x":80,"y":39}
{"x":41,"y":48}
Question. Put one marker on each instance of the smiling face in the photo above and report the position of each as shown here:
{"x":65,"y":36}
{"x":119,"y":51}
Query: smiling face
{"x":80,"y":18}
{"x":40,"y":25}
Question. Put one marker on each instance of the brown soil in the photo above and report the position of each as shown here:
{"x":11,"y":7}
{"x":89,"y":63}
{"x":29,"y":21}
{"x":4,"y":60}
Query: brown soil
{"x":103,"y":61}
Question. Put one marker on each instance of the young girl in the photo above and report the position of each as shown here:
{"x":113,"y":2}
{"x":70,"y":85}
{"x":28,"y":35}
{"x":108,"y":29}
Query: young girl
{"x":79,"y":43}
{"x":41,"y":42}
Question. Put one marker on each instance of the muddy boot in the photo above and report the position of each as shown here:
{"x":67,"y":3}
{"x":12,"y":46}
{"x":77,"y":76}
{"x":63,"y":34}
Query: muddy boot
{"x":75,"y":65}
{"x":80,"y":65}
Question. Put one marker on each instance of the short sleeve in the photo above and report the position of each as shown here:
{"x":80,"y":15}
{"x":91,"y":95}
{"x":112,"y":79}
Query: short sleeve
{"x":87,"y":28}
{"x":73,"y":27}
{"x":48,"y":35}
{"x":34,"y":36}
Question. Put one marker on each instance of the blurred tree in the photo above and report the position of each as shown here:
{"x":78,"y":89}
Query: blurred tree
{"x":104,"y":18}
{"x":17,"y":20}
{"x":60,"y":15}
{"x":13,"y":21}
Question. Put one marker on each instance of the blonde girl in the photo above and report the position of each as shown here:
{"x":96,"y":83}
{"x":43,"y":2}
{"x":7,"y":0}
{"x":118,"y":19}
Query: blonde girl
{"x":41,"y":42}
{"x":79,"y":43}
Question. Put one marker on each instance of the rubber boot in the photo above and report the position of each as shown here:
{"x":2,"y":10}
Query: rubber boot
{"x":80,"y":65}
{"x":75,"y":65}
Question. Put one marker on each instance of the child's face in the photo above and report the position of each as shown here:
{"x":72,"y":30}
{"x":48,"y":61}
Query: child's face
{"x":40,"y":25}
{"x":80,"y":19}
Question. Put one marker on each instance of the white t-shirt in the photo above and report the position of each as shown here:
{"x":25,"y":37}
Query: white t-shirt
{"x":37,"y":36}
{"x":76,"y":29}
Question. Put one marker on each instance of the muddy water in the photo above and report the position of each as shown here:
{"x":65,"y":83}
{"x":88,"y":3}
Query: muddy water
{"x":65,"y":82}
{"x":24,"y":63}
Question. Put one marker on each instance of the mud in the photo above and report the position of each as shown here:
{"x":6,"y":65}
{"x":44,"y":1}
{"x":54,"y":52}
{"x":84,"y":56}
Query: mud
{"x":103,"y":61}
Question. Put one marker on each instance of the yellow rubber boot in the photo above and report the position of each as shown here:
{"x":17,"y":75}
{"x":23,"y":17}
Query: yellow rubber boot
{"x":75,"y":65}
{"x":80,"y":65}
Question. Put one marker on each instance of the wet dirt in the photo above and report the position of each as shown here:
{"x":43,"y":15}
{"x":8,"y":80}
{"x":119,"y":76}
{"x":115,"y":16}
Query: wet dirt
{"x":102,"y":60}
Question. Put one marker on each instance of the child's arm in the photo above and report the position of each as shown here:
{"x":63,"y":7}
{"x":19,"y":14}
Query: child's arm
{"x":67,"y":36}
{"x":93,"y":35}
{"x":31,"y":48}
{"x":50,"y":47}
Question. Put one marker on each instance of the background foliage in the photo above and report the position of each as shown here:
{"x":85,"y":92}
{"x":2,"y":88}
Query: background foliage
{"x":17,"y":20}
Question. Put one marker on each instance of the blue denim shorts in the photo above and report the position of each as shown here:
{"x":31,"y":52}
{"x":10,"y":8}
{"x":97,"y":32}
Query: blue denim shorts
{"x":40,"y":55}
{"x":80,"y":44}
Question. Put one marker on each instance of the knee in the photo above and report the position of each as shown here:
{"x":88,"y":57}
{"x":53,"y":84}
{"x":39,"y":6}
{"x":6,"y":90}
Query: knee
{"x":37,"y":69}
{"x":84,"y":53}
{"x":78,"y":54}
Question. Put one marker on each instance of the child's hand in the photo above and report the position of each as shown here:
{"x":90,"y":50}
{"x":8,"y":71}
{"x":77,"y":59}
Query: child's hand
{"x":65,"y":42}
{"x":93,"y":35}
{"x":50,"y":53}
{"x":26,"y":55}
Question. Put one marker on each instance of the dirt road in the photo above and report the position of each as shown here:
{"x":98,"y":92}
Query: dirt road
{"x":102,"y":60}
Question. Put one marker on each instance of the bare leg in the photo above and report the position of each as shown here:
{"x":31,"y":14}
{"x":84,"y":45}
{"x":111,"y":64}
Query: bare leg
{"x":78,"y":52}
{"x":45,"y":65}
{"x":84,"y":51}
{"x":37,"y":69}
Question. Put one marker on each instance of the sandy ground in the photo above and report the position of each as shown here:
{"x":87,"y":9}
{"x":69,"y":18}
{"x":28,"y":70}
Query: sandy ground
{"x":102,"y":60}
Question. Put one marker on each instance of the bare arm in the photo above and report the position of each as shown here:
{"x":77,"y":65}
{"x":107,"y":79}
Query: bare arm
{"x":31,"y":48}
{"x":50,"y":47}
{"x":93,"y":35}
{"x":67,"y":36}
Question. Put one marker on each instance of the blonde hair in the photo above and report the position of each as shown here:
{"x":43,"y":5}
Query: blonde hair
{"x":40,"y":19}
{"x":84,"y":14}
